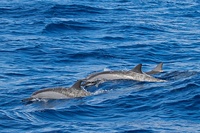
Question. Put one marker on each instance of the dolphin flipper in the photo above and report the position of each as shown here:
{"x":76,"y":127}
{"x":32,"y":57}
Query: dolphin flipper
{"x":157,"y":69}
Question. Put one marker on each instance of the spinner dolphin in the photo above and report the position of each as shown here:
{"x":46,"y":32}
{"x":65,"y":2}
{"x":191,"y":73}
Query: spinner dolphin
{"x":134,"y":74}
{"x":59,"y":93}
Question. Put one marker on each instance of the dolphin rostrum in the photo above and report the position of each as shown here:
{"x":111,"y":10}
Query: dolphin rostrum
{"x":59,"y":93}
{"x":134,"y":74}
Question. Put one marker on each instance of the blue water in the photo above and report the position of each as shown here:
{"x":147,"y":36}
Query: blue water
{"x":51,"y":43}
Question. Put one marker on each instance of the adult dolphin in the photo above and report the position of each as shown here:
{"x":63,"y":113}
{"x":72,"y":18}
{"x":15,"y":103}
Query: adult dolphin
{"x":59,"y":93}
{"x":134,"y":74}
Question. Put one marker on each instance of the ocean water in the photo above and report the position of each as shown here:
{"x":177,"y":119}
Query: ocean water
{"x":51,"y":43}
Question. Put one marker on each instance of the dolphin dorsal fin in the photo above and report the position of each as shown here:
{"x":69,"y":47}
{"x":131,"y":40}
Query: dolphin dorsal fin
{"x":77,"y":85}
{"x":137,"y":69}
{"x":157,"y":69}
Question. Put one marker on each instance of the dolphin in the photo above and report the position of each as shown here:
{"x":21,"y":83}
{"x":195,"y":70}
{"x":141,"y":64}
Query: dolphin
{"x":59,"y":93}
{"x":134,"y":74}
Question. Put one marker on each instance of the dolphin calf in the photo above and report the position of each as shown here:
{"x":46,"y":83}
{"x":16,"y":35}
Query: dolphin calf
{"x":134,"y":74}
{"x":59,"y":93}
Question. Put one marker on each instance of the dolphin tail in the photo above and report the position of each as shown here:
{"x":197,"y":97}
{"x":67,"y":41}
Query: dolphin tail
{"x":156,"y":70}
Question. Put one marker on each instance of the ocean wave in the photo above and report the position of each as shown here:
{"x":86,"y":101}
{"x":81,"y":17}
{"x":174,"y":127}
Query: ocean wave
{"x":98,"y":53}
{"x":74,"y":9}
{"x":68,"y":26}
{"x":177,"y":75}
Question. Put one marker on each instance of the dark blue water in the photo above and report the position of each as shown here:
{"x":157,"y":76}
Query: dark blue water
{"x":53,"y":43}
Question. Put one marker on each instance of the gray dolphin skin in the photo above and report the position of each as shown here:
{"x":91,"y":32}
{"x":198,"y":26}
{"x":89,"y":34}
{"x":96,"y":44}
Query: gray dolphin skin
{"x":59,"y":93}
{"x":134,"y":74}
